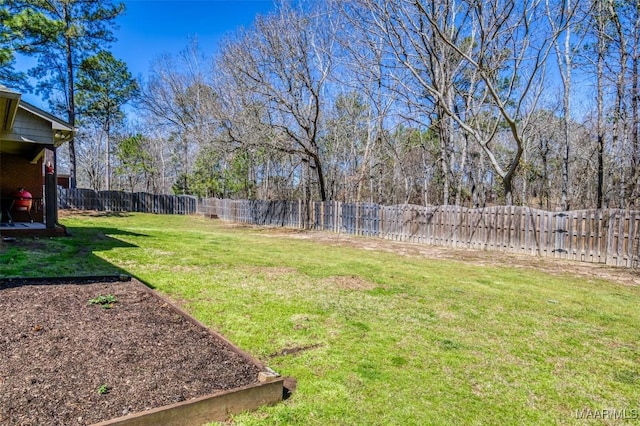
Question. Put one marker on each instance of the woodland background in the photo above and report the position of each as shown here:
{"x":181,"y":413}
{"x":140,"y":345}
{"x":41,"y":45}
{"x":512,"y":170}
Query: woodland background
{"x":443,"y":102}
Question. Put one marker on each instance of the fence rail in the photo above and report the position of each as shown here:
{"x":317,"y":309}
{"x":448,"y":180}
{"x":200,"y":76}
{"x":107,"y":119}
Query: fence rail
{"x":118,"y":201}
{"x":609,"y":236}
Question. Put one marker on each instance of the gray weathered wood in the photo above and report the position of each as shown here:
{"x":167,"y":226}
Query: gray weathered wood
{"x":608,"y":236}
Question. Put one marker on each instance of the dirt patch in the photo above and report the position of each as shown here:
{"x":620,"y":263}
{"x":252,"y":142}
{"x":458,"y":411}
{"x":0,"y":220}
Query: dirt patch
{"x":272,"y":272}
{"x":295,"y":350}
{"x":588,"y":271}
{"x":348,"y":283}
{"x":64,"y":360}
{"x":63,"y":213}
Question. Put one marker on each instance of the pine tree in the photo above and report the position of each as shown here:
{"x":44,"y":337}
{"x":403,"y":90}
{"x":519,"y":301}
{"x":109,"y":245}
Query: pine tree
{"x":68,"y":32}
{"x":104,"y":86}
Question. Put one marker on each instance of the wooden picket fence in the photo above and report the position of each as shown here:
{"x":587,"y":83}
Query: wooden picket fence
{"x":119,"y":201}
{"x":609,"y":236}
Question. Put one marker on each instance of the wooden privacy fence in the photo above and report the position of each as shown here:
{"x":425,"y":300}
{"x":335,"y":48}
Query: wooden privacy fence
{"x":118,"y":201}
{"x":290,"y":214}
{"x":609,"y":236}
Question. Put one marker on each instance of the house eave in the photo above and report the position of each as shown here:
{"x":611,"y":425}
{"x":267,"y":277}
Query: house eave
{"x":28,"y":144}
{"x":9,"y":102}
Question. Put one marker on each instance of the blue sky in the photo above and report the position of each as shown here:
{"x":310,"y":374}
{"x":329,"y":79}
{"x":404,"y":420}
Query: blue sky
{"x":152,"y":27}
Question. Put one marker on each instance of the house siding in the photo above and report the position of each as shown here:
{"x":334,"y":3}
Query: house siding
{"x":30,"y":127}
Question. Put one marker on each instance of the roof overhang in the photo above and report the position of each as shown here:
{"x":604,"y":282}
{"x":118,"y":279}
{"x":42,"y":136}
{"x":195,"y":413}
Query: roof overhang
{"x":29,"y":149}
{"x":22,"y":144}
{"x":9,"y":102}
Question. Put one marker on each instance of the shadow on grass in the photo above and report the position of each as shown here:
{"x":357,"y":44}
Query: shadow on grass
{"x":58,"y":260}
{"x":97,"y":213}
{"x":85,"y":279}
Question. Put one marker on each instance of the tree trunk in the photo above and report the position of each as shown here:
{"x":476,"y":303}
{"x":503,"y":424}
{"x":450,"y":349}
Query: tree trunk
{"x":566,"y":76}
{"x":71,"y":104}
{"x":321,"y":184}
{"x":600,"y":101}
{"x":507,"y":186}
{"x":599,"y":192}
{"x":546,"y":184}
{"x":463,"y":166}
{"x":635,"y":119}
{"x":525,"y":187}
{"x":445,"y":140}
{"x":107,"y":175}
{"x":507,"y":178}
{"x":619,"y":133}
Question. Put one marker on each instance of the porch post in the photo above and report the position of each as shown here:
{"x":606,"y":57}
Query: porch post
{"x":50,"y":192}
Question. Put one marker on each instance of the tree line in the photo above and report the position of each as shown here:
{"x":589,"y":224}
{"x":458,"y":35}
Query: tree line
{"x":532,"y":102}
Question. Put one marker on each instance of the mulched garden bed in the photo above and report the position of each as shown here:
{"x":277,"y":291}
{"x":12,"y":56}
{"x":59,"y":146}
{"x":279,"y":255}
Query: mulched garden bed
{"x":66,"y":361}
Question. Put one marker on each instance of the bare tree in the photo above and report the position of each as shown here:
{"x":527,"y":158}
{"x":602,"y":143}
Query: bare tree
{"x":600,"y":28}
{"x":277,"y":72}
{"x":566,"y":47}
{"x":178,"y":99}
{"x":362,"y":69}
{"x":612,"y":61}
{"x":500,"y":49}
{"x":416,"y":101}
{"x":635,"y":102}
{"x":619,"y":119}
{"x":91,"y":153}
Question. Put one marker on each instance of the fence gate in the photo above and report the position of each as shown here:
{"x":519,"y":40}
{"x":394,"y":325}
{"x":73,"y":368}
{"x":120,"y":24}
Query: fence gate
{"x":560,"y":231}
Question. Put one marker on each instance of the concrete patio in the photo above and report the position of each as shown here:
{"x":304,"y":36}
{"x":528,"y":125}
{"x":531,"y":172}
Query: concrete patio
{"x":29,"y":229}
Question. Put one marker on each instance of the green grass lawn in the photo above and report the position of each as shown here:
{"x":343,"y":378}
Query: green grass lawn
{"x":375,"y":337}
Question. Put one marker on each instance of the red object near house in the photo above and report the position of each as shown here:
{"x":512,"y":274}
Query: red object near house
{"x":23,"y":200}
